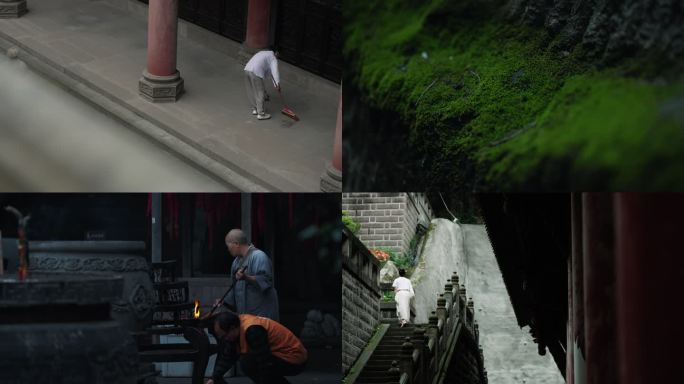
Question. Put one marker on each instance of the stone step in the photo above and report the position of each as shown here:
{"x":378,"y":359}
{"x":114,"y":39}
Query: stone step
{"x":389,"y":349}
{"x":380,"y":377}
{"x":379,"y":366}
{"x":394,"y":340}
{"x":400,"y":331}
{"x":377,"y":380}
{"x":394,"y":347}
{"x":385,"y":356}
{"x":390,"y":335}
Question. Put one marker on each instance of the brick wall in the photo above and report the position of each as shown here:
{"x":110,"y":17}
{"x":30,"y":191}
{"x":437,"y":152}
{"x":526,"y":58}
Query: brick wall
{"x":387,"y":219}
{"x":360,"y":298}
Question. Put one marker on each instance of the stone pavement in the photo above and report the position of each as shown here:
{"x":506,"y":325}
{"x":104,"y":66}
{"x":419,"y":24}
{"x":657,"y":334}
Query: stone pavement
{"x":97,"y":50}
{"x":87,"y":151}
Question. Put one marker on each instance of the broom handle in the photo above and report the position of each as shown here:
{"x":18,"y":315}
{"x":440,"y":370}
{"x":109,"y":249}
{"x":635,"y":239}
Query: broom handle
{"x":225,"y":294}
{"x":282,"y":99}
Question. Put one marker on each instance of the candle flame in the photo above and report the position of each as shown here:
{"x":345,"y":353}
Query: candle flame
{"x":197,"y":312}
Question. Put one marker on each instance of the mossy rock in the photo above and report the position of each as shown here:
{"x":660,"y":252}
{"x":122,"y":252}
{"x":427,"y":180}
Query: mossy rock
{"x":495,"y":105}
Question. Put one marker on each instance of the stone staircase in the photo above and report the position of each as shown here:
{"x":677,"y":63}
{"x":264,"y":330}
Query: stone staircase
{"x":445,"y":350}
{"x":377,"y":370}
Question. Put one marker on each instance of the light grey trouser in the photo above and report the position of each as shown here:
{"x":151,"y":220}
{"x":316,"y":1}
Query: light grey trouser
{"x":255,"y":91}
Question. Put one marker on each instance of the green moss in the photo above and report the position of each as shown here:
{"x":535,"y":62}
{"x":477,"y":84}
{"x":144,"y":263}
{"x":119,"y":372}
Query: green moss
{"x":490,"y":105}
{"x":350,"y":223}
{"x":614,"y":128}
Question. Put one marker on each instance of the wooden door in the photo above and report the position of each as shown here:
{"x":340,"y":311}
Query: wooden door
{"x":309,"y":35}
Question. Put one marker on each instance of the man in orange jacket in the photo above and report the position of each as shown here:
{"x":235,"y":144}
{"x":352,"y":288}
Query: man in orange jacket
{"x":267,"y":351}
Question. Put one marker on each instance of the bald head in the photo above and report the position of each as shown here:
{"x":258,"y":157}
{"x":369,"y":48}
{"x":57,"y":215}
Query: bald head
{"x":238,"y":236}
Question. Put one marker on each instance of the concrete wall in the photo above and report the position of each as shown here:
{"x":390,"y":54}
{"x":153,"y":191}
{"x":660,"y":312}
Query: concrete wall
{"x":360,"y":299}
{"x":510,"y":354}
{"x":443,"y":254}
{"x":387,"y":219}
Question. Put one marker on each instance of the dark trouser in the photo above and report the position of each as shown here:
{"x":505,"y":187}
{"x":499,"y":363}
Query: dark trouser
{"x":269,"y":371}
{"x":260,"y":365}
{"x":225,"y":359}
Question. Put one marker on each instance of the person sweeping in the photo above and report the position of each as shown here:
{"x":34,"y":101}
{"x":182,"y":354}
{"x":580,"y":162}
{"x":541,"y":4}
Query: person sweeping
{"x":403,"y":293}
{"x":261,"y":65}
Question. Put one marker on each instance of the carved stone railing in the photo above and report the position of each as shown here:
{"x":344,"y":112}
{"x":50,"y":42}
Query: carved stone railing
{"x":358,"y":260}
{"x":427,"y":354}
{"x":12,"y":8}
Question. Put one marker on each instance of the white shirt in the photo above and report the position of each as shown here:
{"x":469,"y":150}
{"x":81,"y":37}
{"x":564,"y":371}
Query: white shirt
{"x":262,"y":63}
{"x":402,"y":283}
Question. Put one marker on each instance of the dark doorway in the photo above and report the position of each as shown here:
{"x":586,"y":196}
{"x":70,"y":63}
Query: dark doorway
{"x":225,"y":17}
{"x":308,"y":32}
{"x":309,"y":35}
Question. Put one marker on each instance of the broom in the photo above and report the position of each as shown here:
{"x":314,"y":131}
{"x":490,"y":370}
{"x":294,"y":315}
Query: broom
{"x":286,"y":110}
{"x":224,"y":295}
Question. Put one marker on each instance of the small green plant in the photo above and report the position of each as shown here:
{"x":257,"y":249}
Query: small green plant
{"x":402,"y":263}
{"x":350,"y":223}
{"x":385,"y":254}
{"x":388,"y":296}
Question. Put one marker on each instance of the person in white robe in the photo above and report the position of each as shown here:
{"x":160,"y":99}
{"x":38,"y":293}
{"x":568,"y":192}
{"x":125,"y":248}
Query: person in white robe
{"x":403,"y":293}
{"x":262,"y":65}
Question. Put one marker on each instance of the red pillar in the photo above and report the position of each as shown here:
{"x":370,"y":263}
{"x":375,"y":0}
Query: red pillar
{"x":258,"y":23}
{"x":575,"y":302}
{"x":569,"y":362}
{"x":162,"y":37}
{"x":576,"y":243}
{"x":599,"y":288}
{"x":161,"y":80}
{"x":650,"y":272}
{"x":331,"y":180}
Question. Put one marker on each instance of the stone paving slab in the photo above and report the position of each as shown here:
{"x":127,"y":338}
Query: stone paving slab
{"x":57,"y":143}
{"x":101,"y":45}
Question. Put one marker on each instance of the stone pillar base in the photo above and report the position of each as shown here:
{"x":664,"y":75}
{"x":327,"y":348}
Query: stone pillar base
{"x":12,"y":9}
{"x":159,"y":89}
{"x":331,"y":180}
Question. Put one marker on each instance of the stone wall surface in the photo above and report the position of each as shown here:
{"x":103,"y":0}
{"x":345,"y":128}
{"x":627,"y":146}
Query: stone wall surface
{"x":418,"y":211}
{"x":360,"y":317}
{"x":608,"y":29}
{"x":387,"y":220}
{"x":510,"y":354}
{"x":443,"y":254}
{"x":360,"y":299}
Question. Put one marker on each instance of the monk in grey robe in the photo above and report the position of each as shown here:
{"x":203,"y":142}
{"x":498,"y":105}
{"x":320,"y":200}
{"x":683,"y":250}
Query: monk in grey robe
{"x":254,"y":292}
